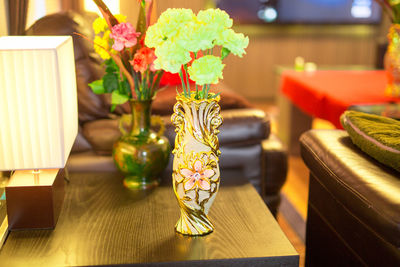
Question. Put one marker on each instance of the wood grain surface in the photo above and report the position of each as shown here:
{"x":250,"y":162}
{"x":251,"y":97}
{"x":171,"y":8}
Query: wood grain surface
{"x":102,"y":223}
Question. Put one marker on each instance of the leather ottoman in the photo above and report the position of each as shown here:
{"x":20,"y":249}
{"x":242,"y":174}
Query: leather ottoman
{"x":354,"y":204}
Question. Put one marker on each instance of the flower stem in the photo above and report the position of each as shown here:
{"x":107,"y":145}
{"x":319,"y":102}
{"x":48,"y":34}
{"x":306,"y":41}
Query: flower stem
{"x":187,"y":78}
{"x":204,"y":90}
{"x":144,"y":81}
{"x":149,"y":84}
{"x":157,"y":81}
{"x":197,"y":88}
{"x":136,"y":87}
{"x":183,"y":83}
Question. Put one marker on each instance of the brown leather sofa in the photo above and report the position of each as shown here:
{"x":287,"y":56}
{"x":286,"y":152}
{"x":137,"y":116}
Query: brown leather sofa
{"x":354,"y":204}
{"x":244,"y":143}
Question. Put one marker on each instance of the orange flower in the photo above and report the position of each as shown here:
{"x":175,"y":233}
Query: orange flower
{"x":143,"y":59}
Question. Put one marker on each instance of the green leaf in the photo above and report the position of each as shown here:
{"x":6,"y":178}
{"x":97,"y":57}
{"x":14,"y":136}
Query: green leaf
{"x":125,"y":88}
{"x":109,"y":62}
{"x":141,"y":22}
{"x":113,"y":108}
{"x":111,"y":66}
{"x":110,"y":69}
{"x":110,"y":82}
{"x":215,"y":96}
{"x":97,"y":87}
{"x":224,"y":52}
{"x":117,"y":98}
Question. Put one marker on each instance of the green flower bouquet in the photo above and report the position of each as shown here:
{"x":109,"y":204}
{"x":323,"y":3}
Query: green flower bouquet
{"x":184,"y":43}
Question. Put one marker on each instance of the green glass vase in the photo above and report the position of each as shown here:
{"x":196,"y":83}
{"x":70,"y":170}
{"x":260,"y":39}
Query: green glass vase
{"x":141,"y":154}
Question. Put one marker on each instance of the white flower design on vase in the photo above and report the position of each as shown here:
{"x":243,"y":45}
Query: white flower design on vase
{"x":198,"y":177}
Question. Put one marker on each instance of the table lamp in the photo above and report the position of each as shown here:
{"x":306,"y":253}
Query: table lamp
{"x":38,"y":125}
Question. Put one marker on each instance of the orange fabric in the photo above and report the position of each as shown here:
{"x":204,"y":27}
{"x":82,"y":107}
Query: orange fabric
{"x":327,"y":94}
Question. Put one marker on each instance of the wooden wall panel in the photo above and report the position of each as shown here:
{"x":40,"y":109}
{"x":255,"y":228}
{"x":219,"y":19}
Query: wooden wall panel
{"x":255,"y":75}
{"x":195,"y":5}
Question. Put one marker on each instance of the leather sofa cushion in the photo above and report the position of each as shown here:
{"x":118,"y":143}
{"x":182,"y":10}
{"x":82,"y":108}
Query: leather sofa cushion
{"x":80,"y":143}
{"x":165,"y":99}
{"x":88,"y":65}
{"x":240,"y":127}
{"x":366,"y":188}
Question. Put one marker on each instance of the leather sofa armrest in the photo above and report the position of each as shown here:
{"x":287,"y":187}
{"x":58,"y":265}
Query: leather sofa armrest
{"x":274,"y":171}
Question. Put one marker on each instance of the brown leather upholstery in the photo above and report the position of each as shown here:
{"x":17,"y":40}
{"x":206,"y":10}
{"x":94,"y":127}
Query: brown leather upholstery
{"x":88,"y":64}
{"x":354,"y":204}
{"x":242,"y":132}
{"x":275,"y":167}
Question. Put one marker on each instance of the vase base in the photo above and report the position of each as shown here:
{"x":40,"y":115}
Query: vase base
{"x":137,"y":183}
{"x":194,"y":226}
{"x":194,"y":233}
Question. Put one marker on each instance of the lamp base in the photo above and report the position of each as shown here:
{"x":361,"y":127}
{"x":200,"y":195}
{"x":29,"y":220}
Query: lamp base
{"x":34,"y":200}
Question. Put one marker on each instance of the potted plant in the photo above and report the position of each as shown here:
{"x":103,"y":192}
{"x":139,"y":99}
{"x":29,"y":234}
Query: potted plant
{"x":140,"y":154}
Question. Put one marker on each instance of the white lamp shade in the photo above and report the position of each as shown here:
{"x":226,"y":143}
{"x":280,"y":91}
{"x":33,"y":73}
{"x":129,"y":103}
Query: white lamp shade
{"x":38,"y":101}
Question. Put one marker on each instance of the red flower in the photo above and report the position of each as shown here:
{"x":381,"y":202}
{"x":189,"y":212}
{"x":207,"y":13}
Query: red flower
{"x":143,"y":59}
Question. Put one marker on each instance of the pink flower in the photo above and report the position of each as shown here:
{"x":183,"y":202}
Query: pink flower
{"x":124,"y":35}
{"x":199,"y":177}
{"x":142,"y":59}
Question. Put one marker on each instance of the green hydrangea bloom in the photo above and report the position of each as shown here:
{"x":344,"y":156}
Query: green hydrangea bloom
{"x":168,"y":25}
{"x":206,"y":70}
{"x":196,"y":36}
{"x":215,"y":17}
{"x":234,"y":42}
{"x":171,"y":57}
{"x":154,"y":36}
{"x":172,"y":20}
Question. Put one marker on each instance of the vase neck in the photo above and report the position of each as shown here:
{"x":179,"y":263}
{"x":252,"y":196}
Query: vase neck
{"x":141,"y":114}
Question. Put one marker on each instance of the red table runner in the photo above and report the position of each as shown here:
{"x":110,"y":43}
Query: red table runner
{"x":327,"y":94}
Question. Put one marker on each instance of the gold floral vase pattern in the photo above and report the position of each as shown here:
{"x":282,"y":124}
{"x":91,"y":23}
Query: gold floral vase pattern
{"x":196,"y":175}
{"x":392,"y":61}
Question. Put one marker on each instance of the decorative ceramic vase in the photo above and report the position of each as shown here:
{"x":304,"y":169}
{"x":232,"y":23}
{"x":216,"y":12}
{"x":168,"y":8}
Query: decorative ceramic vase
{"x":392,"y":61}
{"x":196,"y":175}
{"x":141,"y":154}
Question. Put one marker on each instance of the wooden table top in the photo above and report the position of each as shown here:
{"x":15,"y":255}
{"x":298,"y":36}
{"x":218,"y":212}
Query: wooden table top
{"x":103,"y":223}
